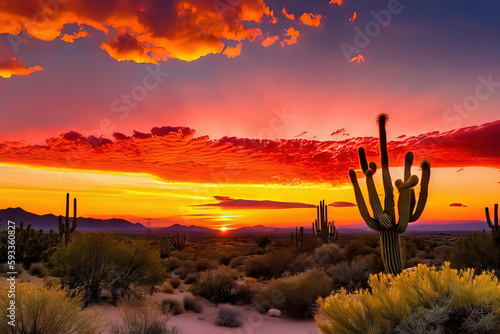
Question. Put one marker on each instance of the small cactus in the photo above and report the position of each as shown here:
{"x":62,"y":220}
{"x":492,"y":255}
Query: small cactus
{"x":178,"y":241}
{"x":64,"y":229}
{"x":493,"y":224}
{"x":322,"y":227}
{"x":164,"y":247}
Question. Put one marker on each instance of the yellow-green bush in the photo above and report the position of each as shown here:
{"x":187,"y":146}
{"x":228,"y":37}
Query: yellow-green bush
{"x":424,"y":300}
{"x":40,"y":309}
{"x":295,"y":295}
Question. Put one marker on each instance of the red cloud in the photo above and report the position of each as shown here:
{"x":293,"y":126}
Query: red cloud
{"x":223,"y":198}
{"x":311,"y":19}
{"x":269,"y":41}
{"x":287,"y":15}
{"x":293,"y":36}
{"x":458,"y":205}
{"x":342,"y":204}
{"x":242,"y":204}
{"x":12,"y":66}
{"x":141,"y":31}
{"x":174,"y":153}
{"x":232,"y":52}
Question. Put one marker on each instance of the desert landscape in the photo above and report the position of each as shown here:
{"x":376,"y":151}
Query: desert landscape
{"x":249,"y":167}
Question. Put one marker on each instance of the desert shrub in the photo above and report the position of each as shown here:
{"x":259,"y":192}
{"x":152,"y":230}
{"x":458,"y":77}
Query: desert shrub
{"x":350,"y":276}
{"x":94,"y":260}
{"x":191,"y":279}
{"x":140,"y":317}
{"x":85,"y":263}
{"x":356,"y":248}
{"x":226,"y":257}
{"x":204,"y":264}
{"x":272,"y":264}
{"x":172,"y":263}
{"x":38,"y":269}
{"x":474,"y":251}
{"x":296,"y":295}
{"x":39,"y":309}
{"x":408,"y":249}
{"x":192,"y":303}
{"x":31,"y":245}
{"x":250,"y":280}
{"x":236,"y":261}
{"x":171,"y":306}
{"x":327,"y":254}
{"x":216,"y":284}
{"x":168,"y":288}
{"x":52,"y":282}
{"x":262,"y":242}
{"x":136,"y":269}
{"x":183,"y":271}
{"x":227,"y":317}
{"x":175,"y":282}
{"x":242,"y":294}
{"x":424,"y":300}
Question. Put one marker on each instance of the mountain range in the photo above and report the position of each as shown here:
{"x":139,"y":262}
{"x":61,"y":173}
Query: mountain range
{"x":50,"y":221}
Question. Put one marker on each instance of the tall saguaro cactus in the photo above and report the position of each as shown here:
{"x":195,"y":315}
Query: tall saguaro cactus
{"x":384,"y":219}
{"x":64,"y":229}
{"x":322,"y":227}
{"x":178,"y":241}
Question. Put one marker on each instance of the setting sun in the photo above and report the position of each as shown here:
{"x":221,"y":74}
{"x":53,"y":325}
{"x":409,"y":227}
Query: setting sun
{"x":223,"y":228}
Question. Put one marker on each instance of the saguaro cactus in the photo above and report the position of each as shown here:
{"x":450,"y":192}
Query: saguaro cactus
{"x":493,"y":224}
{"x":178,"y":241}
{"x":164,"y":247}
{"x":384,"y":219}
{"x":322,"y":227}
{"x":64,"y":229}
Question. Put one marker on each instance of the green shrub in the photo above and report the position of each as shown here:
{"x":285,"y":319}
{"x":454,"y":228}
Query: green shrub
{"x":182,"y":272}
{"x":171,"y":306}
{"x":191,"y":279}
{"x":272,"y":264}
{"x":85,"y":263}
{"x":192,"y":303}
{"x":356,"y":248}
{"x":350,"y":276}
{"x":225,"y":258}
{"x":242,"y":294}
{"x":227,"y":317}
{"x":474,"y":251}
{"x":38,"y":269}
{"x":141,"y":318}
{"x":167,"y":289}
{"x":296,"y":295}
{"x":327,"y":254}
{"x":172,"y":263}
{"x":96,"y":260}
{"x":236,"y":261}
{"x":175,"y":282}
{"x":423,"y":300}
{"x":39,"y":309}
{"x":216,"y":285}
{"x":204,"y":264}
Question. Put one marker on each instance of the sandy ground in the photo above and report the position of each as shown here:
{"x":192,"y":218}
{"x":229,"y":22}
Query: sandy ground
{"x":204,"y":323}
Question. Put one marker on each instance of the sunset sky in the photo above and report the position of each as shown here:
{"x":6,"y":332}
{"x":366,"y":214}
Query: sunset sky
{"x":245,"y":112}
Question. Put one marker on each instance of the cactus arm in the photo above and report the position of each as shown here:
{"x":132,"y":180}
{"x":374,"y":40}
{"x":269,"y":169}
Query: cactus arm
{"x":386,"y":176}
{"x":73,"y":226}
{"x":424,"y":191}
{"x":404,"y":202}
{"x":488,"y":219}
{"x":378,"y":212}
{"x":371,"y":222}
{"x":362,"y":160}
{"x":496,"y":215}
{"x":61,"y":227}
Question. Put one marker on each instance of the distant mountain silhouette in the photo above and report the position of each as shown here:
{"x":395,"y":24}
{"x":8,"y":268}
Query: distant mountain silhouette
{"x":49,"y":221}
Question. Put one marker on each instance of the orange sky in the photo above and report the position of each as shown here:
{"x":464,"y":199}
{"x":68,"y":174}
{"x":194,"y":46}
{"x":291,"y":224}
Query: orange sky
{"x":136,"y":196}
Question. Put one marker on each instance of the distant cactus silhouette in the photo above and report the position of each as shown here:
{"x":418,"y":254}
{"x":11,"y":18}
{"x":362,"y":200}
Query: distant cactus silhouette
{"x":384,"y":220}
{"x":64,"y":229}
{"x":322,"y":227}
{"x":164,"y":247}
{"x":493,"y":224}
{"x":178,"y":241}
